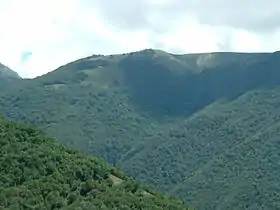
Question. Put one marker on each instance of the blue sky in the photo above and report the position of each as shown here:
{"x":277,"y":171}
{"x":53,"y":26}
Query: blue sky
{"x":60,"y":31}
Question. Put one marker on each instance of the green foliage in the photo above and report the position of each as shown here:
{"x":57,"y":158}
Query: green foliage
{"x":38,"y":173}
{"x":202,"y":126}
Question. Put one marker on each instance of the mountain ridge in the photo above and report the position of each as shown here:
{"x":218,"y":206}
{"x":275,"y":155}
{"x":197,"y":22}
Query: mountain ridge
{"x":162,"y":52}
{"x":8,"y":78}
{"x":7,"y":72}
{"x":175,"y":122}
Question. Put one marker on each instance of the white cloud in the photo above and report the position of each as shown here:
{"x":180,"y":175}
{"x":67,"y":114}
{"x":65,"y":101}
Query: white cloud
{"x":57,"y":32}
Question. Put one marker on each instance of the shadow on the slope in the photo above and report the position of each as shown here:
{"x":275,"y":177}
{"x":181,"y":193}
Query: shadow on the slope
{"x":158,"y":91}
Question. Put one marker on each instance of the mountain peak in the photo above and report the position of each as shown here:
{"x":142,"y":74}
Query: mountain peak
{"x":6,"y":72}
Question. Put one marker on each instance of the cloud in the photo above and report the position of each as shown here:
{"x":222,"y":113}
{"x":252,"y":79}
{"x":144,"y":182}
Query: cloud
{"x":57,"y":32}
{"x":25,"y":56}
{"x":252,"y":15}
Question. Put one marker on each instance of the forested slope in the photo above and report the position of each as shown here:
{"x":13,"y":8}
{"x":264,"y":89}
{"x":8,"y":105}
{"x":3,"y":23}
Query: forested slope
{"x":36,"y":172}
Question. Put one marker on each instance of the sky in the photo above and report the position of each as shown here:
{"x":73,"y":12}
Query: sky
{"x":37,"y":36}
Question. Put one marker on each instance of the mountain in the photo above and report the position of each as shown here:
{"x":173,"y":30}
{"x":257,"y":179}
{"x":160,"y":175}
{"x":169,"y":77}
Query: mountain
{"x":5,"y":72}
{"x":38,"y":173}
{"x":7,"y":76}
{"x":200,"y":126}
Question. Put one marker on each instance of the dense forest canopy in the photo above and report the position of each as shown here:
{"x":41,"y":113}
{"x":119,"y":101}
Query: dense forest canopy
{"x":36,"y":172}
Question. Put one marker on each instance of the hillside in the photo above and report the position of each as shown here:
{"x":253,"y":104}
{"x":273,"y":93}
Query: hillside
{"x":7,"y":76}
{"x":200,"y":126}
{"x":38,"y":173}
{"x":5,"y":72}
